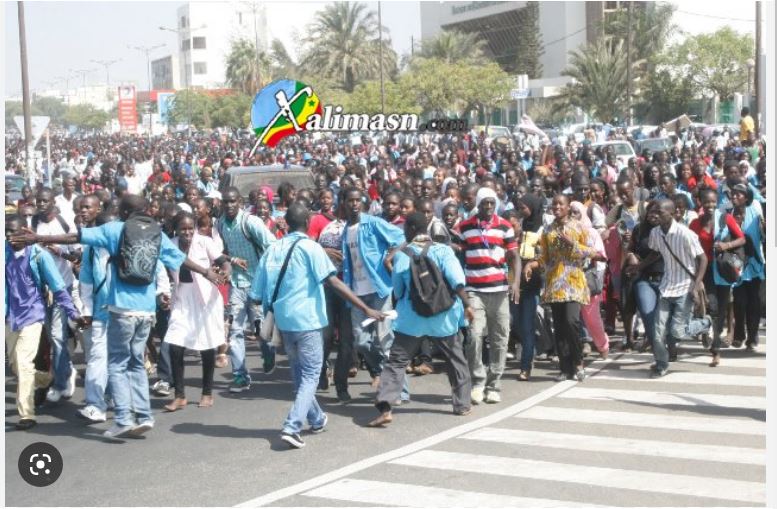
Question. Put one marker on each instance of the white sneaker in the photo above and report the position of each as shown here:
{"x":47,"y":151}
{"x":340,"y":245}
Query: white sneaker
{"x":117,"y":431}
{"x":53,"y":395}
{"x":92,"y":413}
{"x":493,"y":397}
{"x":71,"y":384}
{"x":161,"y":388}
{"x":141,"y":428}
{"x":477,"y":395}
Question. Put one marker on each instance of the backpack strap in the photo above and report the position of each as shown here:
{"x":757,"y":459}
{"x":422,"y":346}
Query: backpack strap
{"x":282,"y":273}
{"x":247,"y":235}
{"x":94,"y":264}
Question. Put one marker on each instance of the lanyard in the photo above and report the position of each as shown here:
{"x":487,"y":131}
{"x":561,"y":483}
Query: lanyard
{"x":487,"y":225}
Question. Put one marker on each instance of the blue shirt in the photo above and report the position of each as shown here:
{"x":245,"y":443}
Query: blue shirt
{"x":124,"y":295}
{"x":301,"y":304}
{"x":95,"y":274}
{"x":375,"y":237}
{"x":410,"y":323}
{"x":755,"y":267}
{"x":237,"y":245}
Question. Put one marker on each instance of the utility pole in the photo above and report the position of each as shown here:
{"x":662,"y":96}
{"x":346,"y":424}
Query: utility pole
{"x":412,"y":46}
{"x":758,"y":88}
{"x":380,"y":49}
{"x":147,"y":50}
{"x":25,"y":97}
{"x":629,"y":119}
{"x":106,"y":64}
{"x":83,"y":73}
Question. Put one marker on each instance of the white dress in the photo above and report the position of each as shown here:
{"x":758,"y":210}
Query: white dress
{"x":197,"y":309}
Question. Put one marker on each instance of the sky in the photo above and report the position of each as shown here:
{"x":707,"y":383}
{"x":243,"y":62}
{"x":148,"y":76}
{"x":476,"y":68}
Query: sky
{"x":63,"y":36}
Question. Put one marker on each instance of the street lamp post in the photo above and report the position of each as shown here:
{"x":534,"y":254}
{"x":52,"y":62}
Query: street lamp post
{"x":750,"y":64}
{"x":189,"y":80}
{"x":107,"y":64}
{"x":147,"y":50}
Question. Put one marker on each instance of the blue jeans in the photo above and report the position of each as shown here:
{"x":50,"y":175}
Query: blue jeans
{"x":305,"y":351}
{"x":646,"y":296}
{"x":375,"y":341}
{"x":527,"y":313}
{"x":673,"y":324}
{"x":163,"y":369}
{"x":243,"y":314}
{"x":127,"y":336}
{"x":96,"y":353}
{"x":56,"y":324}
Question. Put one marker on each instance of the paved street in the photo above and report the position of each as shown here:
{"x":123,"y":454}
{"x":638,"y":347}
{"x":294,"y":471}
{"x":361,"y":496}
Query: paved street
{"x":694,"y":438}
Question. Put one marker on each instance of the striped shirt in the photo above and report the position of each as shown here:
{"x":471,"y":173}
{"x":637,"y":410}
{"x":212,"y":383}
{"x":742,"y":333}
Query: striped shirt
{"x":676,"y":281}
{"x":485,"y":246}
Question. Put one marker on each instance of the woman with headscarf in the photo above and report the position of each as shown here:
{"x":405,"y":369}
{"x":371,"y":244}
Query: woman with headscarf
{"x":529,"y":208}
{"x":591,"y":314}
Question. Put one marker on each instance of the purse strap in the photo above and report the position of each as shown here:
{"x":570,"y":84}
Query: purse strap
{"x":282,"y":273}
{"x":693,"y":276}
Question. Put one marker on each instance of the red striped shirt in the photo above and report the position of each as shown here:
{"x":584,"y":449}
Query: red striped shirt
{"x":485,"y":246}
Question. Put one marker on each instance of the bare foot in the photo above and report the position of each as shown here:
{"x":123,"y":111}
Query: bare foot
{"x":381,"y":420}
{"x":206,"y":402}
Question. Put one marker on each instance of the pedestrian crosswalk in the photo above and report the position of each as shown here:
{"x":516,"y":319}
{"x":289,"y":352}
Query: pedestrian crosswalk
{"x":694,"y":438}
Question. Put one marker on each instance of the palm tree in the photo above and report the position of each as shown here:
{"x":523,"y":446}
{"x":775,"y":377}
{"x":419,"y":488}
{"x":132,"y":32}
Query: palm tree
{"x":283,"y":62}
{"x":453,"y":46}
{"x":599,"y":74}
{"x":247,"y":70}
{"x":343,"y":44}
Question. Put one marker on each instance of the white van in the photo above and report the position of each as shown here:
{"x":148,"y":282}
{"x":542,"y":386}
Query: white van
{"x":622,"y":149}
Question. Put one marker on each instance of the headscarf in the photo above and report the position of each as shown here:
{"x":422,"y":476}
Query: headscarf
{"x":446,"y":184}
{"x":486,"y":192}
{"x":269,"y":192}
{"x":533,"y":222}
{"x":595,"y":240}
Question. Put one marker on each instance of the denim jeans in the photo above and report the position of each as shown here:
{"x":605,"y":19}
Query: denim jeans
{"x":305,"y":351}
{"x":527,"y":313}
{"x":163,"y":369}
{"x":243,"y":314}
{"x":96,"y":354}
{"x":56,"y":324}
{"x":374,"y":341}
{"x":127,"y":336}
{"x":646,"y":295}
{"x":673,"y":324}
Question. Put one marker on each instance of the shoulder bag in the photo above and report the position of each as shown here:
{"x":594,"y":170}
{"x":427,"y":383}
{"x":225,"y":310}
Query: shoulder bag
{"x":269,"y":332}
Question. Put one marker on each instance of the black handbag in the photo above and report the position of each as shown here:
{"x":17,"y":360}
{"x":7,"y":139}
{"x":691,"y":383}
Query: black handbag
{"x":730,"y":263}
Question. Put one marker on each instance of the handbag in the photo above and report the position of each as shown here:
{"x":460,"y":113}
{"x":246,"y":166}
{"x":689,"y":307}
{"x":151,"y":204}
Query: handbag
{"x":269,"y":332}
{"x":730,"y":263}
{"x":594,"y":281}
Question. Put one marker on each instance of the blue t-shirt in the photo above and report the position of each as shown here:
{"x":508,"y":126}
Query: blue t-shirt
{"x":123,"y":295}
{"x":301,"y":304}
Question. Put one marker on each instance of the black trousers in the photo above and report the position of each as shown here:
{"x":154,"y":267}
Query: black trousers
{"x":402,"y":352}
{"x":747,"y":311}
{"x":208,"y":365}
{"x":566,"y":332}
{"x":339,"y":316}
{"x":718,"y":298}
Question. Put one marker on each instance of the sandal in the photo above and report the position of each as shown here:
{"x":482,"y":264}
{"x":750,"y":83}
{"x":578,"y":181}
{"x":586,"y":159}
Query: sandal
{"x":222,"y":360}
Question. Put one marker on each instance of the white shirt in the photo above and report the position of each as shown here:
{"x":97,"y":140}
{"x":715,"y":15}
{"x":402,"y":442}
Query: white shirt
{"x":64,"y":267}
{"x":65,"y":207}
{"x":361,"y":283}
{"x":685,"y":245}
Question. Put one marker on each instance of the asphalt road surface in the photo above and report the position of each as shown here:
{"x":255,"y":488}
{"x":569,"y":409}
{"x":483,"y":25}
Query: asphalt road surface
{"x":694,"y":438}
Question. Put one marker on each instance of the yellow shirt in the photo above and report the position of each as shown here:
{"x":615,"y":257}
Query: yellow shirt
{"x":564,"y":264}
{"x":746,"y":128}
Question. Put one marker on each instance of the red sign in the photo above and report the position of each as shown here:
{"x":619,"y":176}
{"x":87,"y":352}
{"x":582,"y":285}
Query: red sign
{"x":128,"y":116}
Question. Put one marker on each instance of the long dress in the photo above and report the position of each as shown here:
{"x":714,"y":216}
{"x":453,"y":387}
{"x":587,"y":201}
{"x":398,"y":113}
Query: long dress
{"x":197,"y":308}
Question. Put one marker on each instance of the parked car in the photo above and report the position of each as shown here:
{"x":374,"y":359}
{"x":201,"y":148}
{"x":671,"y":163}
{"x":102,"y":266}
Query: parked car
{"x":654,"y":145}
{"x":622,"y":149}
{"x":247,"y":178}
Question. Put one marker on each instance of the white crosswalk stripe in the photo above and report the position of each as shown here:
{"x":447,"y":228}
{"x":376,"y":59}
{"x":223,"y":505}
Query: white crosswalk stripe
{"x":568,"y":441}
{"x":666,"y":398}
{"x":696,"y":486}
{"x":653,"y":421}
{"x":684,"y":377}
{"x":646,"y":359}
{"x":379,"y":493}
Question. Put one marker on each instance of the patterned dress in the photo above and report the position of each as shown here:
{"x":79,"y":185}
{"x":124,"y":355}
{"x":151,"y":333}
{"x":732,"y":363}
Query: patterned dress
{"x":564,"y":263}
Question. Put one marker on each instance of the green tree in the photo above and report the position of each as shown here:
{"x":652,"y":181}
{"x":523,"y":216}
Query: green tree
{"x":529,"y":45}
{"x":665,"y":96}
{"x":283,"y":63}
{"x":232,"y":110}
{"x":246,"y":69}
{"x":437,"y":86}
{"x":366,"y":98}
{"x":651,"y":28}
{"x":714,"y":62}
{"x":343,"y":44}
{"x":52,"y":107}
{"x":86,"y":116}
{"x":484,"y":87}
{"x":198,"y":103}
{"x":599,"y":77}
{"x":452,"y":46}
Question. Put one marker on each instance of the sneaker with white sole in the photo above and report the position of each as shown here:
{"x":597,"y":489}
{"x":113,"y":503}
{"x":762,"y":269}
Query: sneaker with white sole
{"x":92,"y":414}
{"x":117,"y":431}
{"x":141,"y":428}
{"x":320,"y":427}
{"x":477,"y":395}
{"x":70,"y":389}
{"x":161,"y":388}
{"x":53,"y":395}
{"x":493,"y":397}
{"x":239,"y":384}
{"x":293,"y":439}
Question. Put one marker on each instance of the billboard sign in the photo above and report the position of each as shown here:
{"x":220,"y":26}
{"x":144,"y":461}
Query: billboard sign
{"x":128,"y":117}
{"x":164,"y":103}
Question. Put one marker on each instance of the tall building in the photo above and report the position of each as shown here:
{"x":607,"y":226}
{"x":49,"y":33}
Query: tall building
{"x":165,"y":74}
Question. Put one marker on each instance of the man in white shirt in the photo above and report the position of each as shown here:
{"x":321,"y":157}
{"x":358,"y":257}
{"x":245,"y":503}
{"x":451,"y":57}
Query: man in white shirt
{"x":64,"y":201}
{"x":134,"y":182}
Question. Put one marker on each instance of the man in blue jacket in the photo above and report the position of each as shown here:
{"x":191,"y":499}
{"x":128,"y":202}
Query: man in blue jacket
{"x":410,"y":328}
{"x":27,"y":271}
{"x":367,"y":242}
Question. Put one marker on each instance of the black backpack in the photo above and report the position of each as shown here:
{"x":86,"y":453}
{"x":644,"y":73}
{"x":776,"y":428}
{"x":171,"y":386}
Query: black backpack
{"x":429,"y":291}
{"x":139,"y":247}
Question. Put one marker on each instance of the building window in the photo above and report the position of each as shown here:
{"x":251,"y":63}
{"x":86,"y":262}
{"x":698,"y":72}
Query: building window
{"x":239,"y":18}
{"x":183,"y":21}
{"x":185,"y":45}
{"x":199,"y":42}
{"x":611,"y":6}
{"x":200,"y":68}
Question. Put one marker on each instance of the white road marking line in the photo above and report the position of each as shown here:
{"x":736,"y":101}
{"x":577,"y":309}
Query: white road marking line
{"x":689,"y":485}
{"x":573,"y":442}
{"x":667,"y":398}
{"x":408,"y":449}
{"x":757,"y":361}
{"x":654,"y":421}
{"x":684,"y":377}
{"x":379,"y":493}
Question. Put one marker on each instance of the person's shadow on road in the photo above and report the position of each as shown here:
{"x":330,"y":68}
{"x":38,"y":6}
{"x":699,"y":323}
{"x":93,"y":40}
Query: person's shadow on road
{"x":273,"y":436}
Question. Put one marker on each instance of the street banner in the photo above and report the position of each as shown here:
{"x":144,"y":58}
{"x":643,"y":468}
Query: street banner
{"x":164,"y":103}
{"x":128,"y":117}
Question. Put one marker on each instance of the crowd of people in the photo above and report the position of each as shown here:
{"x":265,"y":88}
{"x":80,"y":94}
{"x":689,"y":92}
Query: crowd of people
{"x":403,"y":249}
